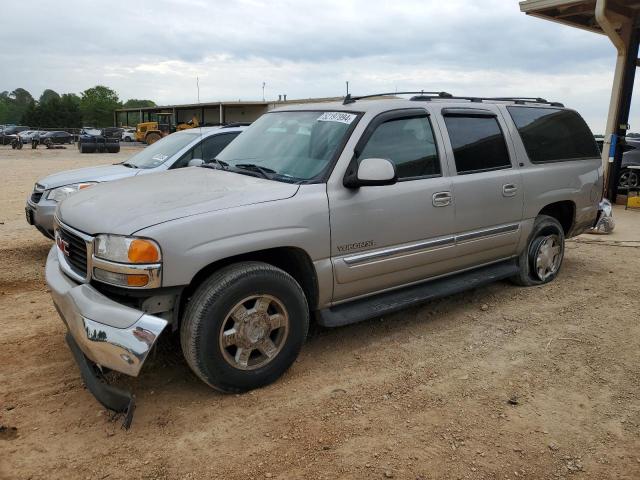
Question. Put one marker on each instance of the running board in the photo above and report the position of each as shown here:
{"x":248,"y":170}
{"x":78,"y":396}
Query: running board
{"x":396,"y":300}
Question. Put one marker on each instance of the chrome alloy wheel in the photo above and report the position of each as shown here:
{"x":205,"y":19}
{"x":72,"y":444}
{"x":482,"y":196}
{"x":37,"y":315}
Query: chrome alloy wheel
{"x":548,"y":256}
{"x":254,"y":332}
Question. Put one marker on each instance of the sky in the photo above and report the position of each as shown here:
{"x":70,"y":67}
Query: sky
{"x":156,"y":49}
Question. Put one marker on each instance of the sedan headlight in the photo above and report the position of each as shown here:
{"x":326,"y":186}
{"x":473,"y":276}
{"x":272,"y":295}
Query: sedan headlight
{"x":116,"y":248}
{"x":60,"y":193}
{"x":127,"y":261}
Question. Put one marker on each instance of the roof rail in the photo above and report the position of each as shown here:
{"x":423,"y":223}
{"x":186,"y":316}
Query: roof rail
{"x":428,"y":96}
{"x":236,"y":124}
{"x":349,"y":99}
{"x":517,"y":100}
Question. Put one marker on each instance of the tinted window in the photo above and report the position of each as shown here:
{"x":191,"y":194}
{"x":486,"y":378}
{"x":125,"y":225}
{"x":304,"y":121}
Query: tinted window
{"x":478,"y":144}
{"x":213,"y":145}
{"x":551,"y":134}
{"x":408,"y":143}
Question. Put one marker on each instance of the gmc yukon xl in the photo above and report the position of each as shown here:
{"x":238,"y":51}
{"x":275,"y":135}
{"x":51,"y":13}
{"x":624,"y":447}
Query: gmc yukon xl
{"x":336,"y":212}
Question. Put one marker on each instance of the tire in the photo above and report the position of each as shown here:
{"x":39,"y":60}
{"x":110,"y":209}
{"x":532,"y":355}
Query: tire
{"x":546,"y":237}
{"x":628,"y":178}
{"x":113,"y":148}
{"x":87,"y":148}
{"x":152,"y":138}
{"x":209,"y":315}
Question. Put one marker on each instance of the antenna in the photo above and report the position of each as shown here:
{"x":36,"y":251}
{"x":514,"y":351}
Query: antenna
{"x":347,"y":88}
{"x":263,"y":85}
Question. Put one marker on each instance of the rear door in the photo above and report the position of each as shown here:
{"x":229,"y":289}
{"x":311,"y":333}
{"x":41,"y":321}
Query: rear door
{"x":486,"y":184}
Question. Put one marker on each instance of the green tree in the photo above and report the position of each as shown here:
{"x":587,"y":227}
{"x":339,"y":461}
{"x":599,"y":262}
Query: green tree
{"x":135,"y":103}
{"x":97,"y":105}
{"x":48,"y":95}
{"x":14,"y":105}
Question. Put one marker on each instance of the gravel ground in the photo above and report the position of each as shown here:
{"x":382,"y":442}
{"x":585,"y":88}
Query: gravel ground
{"x":497,"y":383}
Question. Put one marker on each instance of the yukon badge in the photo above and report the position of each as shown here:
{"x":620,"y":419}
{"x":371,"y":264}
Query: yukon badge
{"x":355,"y":246}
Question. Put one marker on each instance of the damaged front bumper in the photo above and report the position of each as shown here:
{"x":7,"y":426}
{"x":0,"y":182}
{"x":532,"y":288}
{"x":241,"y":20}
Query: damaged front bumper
{"x":102,"y":331}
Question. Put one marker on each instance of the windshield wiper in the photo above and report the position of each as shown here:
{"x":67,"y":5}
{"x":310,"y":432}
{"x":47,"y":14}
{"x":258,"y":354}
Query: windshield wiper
{"x":218,"y":165}
{"x":128,"y":165}
{"x":263,"y":171}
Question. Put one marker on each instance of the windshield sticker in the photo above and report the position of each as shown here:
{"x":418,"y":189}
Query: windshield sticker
{"x":342,"y":117}
{"x":159,"y":157}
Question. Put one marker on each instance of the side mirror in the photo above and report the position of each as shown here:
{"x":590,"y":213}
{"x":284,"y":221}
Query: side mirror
{"x":195,"y":162}
{"x":372,"y":172}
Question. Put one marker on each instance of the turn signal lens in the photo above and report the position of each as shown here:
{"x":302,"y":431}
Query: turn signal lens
{"x":143,"y":251}
{"x":137,"y":280}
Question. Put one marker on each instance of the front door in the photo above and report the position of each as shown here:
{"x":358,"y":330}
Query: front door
{"x":387,"y":236}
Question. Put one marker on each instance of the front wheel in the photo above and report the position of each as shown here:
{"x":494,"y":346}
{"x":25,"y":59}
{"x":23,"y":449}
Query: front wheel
{"x":244,"y":326}
{"x":152,"y":138}
{"x":541,"y":259}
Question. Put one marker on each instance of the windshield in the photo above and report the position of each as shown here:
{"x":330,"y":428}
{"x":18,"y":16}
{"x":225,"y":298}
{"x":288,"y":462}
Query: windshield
{"x":158,"y":153}
{"x":295,"y":146}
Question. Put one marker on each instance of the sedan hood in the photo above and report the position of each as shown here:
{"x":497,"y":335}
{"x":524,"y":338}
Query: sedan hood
{"x":101,"y":173}
{"x":132,"y":204}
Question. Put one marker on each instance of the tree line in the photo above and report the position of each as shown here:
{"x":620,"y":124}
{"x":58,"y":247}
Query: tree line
{"x":94,"y":107}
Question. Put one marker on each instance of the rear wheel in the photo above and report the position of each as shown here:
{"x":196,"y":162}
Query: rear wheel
{"x":628,"y":179}
{"x":542,"y":258}
{"x":244,"y":326}
{"x":152,"y":138}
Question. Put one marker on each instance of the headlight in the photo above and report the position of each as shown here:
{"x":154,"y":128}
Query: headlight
{"x":60,"y":193}
{"x":116,"y":248}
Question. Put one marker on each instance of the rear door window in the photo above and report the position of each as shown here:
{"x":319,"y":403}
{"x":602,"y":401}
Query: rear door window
{"x":553,"y":134}
{"x":478,"y":143}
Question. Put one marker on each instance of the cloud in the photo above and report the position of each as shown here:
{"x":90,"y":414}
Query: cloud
{"x":155,"y":49}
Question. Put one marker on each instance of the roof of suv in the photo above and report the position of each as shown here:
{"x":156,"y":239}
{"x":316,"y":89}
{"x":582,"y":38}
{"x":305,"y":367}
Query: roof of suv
{"x":382,"y":104}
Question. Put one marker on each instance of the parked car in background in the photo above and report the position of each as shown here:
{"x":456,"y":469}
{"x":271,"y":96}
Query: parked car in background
{"x":631,"y":156}
{"x":28,"y":135}
{"x":175,"y":151}
{"x":335,"y":211}
{"x":9,"y":133}
{"x":56,"y":137}
{"x":129,"y":135}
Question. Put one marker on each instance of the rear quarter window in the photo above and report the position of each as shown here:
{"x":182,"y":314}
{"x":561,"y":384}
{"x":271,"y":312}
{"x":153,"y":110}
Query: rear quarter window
{"x":553,"y":134}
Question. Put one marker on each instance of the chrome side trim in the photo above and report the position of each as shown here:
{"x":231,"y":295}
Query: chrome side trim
{"x":387,"y":252}
{"x":487,"y":232}
{"x":430,"y":244}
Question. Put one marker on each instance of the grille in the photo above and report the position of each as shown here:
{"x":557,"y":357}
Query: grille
{"x":77,"y":249}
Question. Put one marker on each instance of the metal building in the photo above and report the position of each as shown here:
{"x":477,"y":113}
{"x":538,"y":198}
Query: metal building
{"x":618,"y":20}
{"x":207,"y":113}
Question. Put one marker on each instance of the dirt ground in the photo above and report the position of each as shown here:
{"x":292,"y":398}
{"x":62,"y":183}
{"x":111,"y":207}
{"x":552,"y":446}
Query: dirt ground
{"x":498,"y":383}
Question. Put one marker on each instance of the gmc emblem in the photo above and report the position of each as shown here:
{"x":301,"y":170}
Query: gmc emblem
{"x":62,"y":244}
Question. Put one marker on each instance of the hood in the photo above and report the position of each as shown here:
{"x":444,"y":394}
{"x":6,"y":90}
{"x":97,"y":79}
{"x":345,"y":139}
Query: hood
{"x":132,"y":204}
{"x":101,"y":173}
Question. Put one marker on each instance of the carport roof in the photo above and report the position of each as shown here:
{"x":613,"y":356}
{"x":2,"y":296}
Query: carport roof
{"x":578,"y":13}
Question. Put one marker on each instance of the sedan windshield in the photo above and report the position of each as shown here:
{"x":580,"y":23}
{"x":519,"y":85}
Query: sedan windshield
{"x":158,"y":153}
{"x":294,"y":146}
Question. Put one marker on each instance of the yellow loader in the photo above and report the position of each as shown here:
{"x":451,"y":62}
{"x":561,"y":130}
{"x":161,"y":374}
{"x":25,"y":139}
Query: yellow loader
{"x":151,"y":132}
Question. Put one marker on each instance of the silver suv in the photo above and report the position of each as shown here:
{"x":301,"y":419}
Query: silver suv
{"x":180,"y":149}
{"x":335,"y":211}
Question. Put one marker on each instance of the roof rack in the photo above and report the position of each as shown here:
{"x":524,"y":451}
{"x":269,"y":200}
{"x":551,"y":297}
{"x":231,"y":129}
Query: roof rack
{"x":428,"y":96}
{"x":349,"y":99}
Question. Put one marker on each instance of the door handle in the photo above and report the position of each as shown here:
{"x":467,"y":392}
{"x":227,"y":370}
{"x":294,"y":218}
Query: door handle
{"x":442,"y":199}
{"x":509,"y":190}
